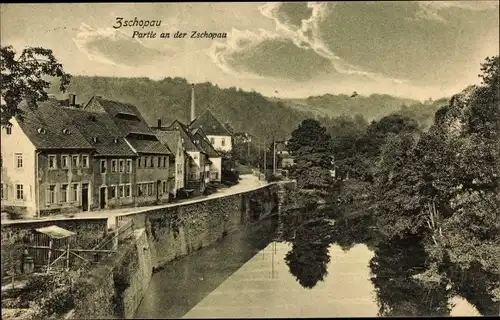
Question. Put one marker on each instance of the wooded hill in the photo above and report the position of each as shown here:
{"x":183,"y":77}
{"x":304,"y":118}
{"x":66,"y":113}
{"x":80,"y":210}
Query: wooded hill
{"x":170,"y":98}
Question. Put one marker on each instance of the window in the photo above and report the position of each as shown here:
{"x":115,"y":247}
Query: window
{"x":151,"y":163}
{"x":103,"y":166}
{"x":223,"y":142}
{"x":150,"y":188}
{"x":85,"y":161}
{"x":145,"y":161}
{"x":121,"y":191}
{"x":139,"y":160}
{"x":112,"y":192}
{"x":121,"y":165}
{"x":64,"y":162}
{"x":113,"y":165}
{"x":3,"y":192}
{"x":8,"y":129}
{"x":212,"y":140}
{"x":74,"y":192}
{"x":19,"y":192}
{"x":19,"y":160}
{"x":127,"y":190}
{"x":64,"y":193}
{"x":139,"y":189}
{"x":165,"y":189}
{"x":129,"y":166}
{"x":193,"y":176}
{"x":51,"y":194}
{"x":159,"y":162}
{"x":75,"y":159}
{"x":52,"y":162}
{"x":195,"y":156}
{"x":165,"y":160}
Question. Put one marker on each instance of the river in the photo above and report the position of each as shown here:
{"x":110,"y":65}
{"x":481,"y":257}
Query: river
{"x":311,"y":274}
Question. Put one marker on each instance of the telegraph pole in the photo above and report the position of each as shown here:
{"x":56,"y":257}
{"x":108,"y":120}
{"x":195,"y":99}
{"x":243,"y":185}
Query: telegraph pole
{"x":274,"y":153}
{"x":265,"y":154}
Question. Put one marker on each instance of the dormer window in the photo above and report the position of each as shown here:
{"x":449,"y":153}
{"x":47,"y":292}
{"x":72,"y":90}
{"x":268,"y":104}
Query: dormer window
{"x":95,"y":139}
{"x":66,"y":131}
{"x":92,"y":118}
{"x":41,"y":130}
{"x":115,"y":140}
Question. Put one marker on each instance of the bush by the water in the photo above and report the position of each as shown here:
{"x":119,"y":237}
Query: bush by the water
{"x":270,"y":177}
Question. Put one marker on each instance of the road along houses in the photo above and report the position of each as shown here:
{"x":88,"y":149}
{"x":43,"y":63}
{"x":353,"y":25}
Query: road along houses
{"x":61,"y":157}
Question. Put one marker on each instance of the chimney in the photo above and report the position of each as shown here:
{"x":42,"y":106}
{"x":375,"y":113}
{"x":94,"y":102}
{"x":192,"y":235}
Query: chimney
{"x":159,"y":123}
{"x":192,"y":103}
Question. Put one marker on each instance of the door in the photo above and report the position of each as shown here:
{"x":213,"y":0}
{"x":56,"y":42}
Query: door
{"x":85,"y":196}
{"x":102,"y":197}
{"x":158,"y":186}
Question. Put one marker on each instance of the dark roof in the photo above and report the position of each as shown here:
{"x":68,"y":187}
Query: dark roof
{"x":148,"y":146}
{"x":229,"y":128}
{"x":100,"y":131}
{"x":209,"y":123}
{"x":169,"y":137}
{"x":187,"y":139}
{"x":44,"y":126}
{"x":127,"y":117}
{"x":205,"y":144}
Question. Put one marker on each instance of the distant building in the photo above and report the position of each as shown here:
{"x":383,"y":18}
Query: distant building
{"x":287,"y":160}
{"x":218,"y":134}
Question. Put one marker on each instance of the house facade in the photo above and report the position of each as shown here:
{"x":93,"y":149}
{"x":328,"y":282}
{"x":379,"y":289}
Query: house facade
{"x":287,"y":160}
{"x":174,"y":141}
{"x":153,"y":176}
{"x":47,"y":163}
{"x":216,"y":132}
{"x":214,"y":157}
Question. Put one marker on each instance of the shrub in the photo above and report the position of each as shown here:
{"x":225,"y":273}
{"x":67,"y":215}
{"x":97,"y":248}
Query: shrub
{"x":270,"y":177}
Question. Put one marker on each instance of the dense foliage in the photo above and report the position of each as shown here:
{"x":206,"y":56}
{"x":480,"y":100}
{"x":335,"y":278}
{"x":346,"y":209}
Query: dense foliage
{"x":24,"y":77}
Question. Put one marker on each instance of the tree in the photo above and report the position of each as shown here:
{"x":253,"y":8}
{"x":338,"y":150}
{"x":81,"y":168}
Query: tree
{"x":23,"y":78}
{"x":310,"y":144}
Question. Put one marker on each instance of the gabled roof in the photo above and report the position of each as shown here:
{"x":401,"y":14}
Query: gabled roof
{"x":169,"y":137}
{"x":209,"y":123}
{"x":206,"y":145}
{"x":127,"y":117}
{"x":186,"y":136}
{"x":100,"y":131}
{"x":49,"y":127}
{"x":148,"y":146}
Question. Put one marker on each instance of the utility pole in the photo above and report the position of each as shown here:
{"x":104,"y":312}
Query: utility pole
{"x":274,"y":153}
{"x":265,"y":154}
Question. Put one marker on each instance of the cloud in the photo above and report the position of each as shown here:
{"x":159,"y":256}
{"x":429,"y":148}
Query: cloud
{"x":114,"y":47}
{"x":429,"y":10}
{"x":294,"y":50}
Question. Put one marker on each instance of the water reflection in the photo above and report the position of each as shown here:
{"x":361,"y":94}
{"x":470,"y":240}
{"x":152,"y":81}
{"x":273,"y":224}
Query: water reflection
{"x":394,"y":267}
{"x":399,"y":294}
{"x":308,"y":260}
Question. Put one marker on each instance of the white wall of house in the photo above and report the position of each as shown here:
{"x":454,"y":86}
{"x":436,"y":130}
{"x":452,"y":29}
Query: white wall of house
{"x":221,"y":142}
{"x":216,"y":167}
{"x":179,"y":168}
{"x":18,"y":169}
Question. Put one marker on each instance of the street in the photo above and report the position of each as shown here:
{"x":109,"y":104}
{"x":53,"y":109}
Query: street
{"x":246,"y":183}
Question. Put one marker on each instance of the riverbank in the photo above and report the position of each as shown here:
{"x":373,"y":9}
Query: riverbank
{"x":161,"y":235}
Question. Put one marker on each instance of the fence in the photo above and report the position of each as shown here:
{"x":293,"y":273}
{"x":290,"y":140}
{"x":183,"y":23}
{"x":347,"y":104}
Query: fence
{"x":49,"y":253}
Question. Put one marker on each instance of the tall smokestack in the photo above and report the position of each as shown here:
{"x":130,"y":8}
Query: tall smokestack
{"x":192,"y":103}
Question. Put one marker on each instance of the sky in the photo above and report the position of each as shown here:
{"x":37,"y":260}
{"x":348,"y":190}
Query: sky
{"x":419,"y":50}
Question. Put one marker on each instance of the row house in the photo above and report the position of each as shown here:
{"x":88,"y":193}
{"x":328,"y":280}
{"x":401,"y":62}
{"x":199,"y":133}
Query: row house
{"x":153,"y":176}
{"x":47,"y":163}
{"x":197,"y":164}
{"x":202,"y":141}
{"x":60,"y":158}
{"x":174,"y":141}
